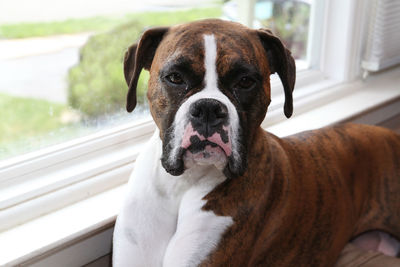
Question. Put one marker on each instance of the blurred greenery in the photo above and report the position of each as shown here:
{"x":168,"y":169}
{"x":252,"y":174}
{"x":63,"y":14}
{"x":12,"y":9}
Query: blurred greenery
{"x":290,"y":21}
{"x":96,"y":85}
{"x":22,"y":117}
{"x":100,"y":23}
{"x":37,"y":29}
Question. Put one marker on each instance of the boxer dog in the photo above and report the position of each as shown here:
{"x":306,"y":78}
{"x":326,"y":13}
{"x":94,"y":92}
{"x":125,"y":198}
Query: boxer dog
{"x":212,"y":188}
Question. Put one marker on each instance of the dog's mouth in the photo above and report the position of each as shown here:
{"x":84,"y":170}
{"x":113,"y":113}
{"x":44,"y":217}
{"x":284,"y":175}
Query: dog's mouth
{"x":211,"y":150}
{"x":195,"y":148}
{"x":193,"y":140}
{"x":204,"y":153}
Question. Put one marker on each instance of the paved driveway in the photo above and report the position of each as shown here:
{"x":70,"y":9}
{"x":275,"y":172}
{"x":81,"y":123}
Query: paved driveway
{"x":38,"y":67}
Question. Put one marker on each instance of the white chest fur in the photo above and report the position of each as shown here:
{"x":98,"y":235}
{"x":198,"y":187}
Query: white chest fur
{"x":161,"y":222}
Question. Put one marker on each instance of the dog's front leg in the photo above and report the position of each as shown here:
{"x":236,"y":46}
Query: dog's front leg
{"x":198,"y":232}
{"x":142,"y":233}
{"x":148,"y":218}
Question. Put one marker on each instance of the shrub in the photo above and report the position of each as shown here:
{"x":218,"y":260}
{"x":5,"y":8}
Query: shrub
{"x":97,"y":85}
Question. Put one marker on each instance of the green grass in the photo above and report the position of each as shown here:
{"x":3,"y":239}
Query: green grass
{"x":28,"y":116}
{"x":28,"y":124}
{"x":174,"y":17}
{"x":24,"y":118}
{"x":100,"y":23}
{"x":38,"y":29}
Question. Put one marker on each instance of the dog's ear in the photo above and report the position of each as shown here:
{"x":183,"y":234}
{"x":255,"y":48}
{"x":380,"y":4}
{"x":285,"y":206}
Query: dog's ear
{"x":280,"y":60}
{"x":140,"y":56}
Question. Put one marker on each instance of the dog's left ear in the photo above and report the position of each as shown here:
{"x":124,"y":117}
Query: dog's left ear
{"x":280,"y":60}
{"x":140,"y":56}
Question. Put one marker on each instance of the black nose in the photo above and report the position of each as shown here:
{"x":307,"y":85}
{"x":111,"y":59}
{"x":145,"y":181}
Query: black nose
{"x":208,"y":115}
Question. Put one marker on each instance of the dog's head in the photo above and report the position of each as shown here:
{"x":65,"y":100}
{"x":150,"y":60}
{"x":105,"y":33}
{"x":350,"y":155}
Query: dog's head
{"x":209,"y":89}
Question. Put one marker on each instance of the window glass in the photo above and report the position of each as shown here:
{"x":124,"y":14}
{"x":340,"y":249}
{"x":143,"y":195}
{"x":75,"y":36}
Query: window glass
{"x":287,"y":19}
{"x":61,"y":72}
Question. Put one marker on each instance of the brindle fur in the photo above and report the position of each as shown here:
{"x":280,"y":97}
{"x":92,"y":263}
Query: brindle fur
{"x":308,"y":195}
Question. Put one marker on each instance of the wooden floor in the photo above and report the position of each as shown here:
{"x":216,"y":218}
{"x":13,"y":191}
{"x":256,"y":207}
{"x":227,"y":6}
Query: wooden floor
{"x":104,"y":261}
{"x":392,"y":123}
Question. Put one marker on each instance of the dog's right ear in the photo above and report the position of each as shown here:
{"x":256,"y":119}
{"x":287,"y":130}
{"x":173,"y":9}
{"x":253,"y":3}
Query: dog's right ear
{"x":140,"y":56}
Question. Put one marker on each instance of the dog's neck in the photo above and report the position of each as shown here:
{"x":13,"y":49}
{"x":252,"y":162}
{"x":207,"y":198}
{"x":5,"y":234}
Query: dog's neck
{"x":263,"y":149}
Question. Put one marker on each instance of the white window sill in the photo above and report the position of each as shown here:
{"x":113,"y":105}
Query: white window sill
{"x":84,"y":229}
{"x":72,"y":236}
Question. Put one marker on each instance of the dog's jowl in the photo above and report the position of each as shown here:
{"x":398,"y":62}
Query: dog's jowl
{"x":212,"y":188}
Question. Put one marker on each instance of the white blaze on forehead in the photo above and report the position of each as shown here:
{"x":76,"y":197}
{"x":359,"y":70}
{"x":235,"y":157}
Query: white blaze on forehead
{"x":210,"y":59}
{"x":210,"y":90}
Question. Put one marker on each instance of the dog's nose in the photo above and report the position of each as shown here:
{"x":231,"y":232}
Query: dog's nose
{"x":209,"y":113}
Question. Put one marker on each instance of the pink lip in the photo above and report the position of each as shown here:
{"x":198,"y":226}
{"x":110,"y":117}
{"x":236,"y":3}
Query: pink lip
{"x":215,"y":138}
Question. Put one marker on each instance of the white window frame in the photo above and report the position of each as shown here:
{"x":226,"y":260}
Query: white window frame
{"x":68,"y":179}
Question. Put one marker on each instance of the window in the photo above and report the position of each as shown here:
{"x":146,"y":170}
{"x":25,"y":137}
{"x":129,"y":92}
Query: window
{"x":63,"y":80}
{"x":60,"y":82}
{"x":287,"y":19}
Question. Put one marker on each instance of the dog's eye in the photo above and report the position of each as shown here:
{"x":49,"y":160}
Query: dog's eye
{"x":245,"y":83}
{"x":175,"y":78}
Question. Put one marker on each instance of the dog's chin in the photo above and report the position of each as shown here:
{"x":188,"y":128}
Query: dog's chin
{"x":207,"y":156}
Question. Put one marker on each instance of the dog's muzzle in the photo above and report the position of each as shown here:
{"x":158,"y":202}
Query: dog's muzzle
{"x":206,"y":137}
{"x":205,"y":132}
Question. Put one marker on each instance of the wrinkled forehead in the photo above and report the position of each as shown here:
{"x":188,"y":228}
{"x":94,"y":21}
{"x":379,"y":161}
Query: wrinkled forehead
{"x":185,"y":44}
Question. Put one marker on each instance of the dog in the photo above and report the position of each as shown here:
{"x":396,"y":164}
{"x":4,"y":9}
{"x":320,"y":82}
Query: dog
{"x":212,"y":188}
